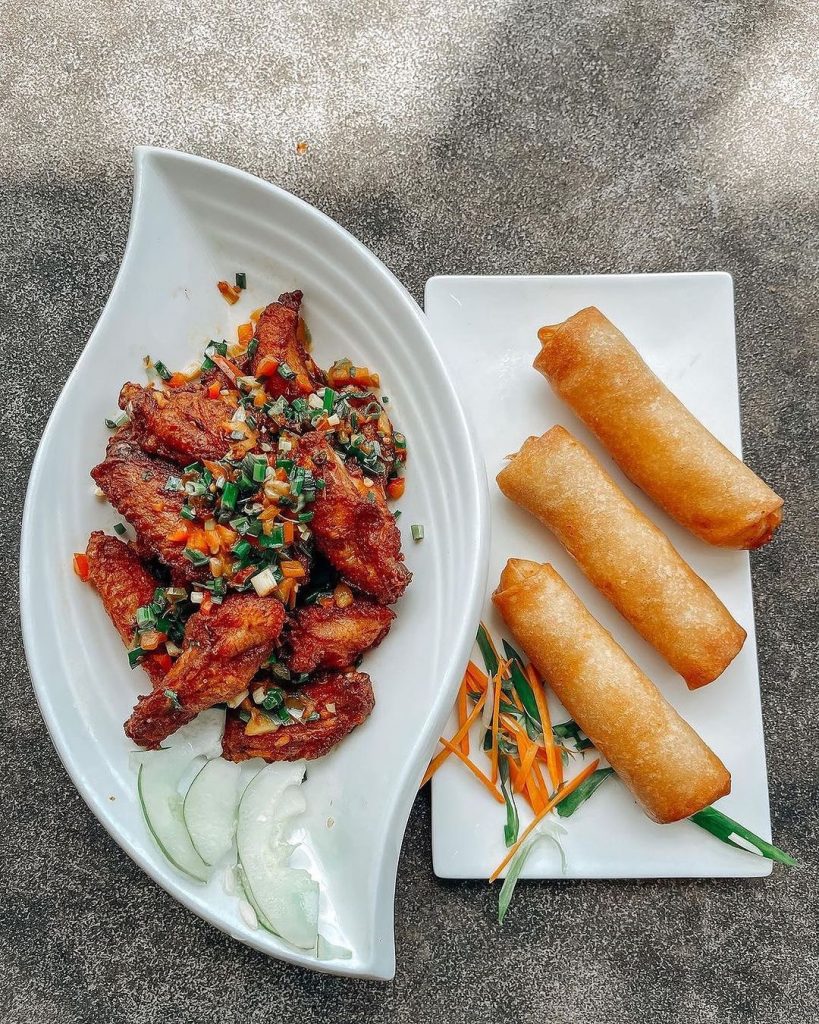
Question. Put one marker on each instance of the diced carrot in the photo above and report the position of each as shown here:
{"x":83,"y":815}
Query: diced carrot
{"x":439,"y":759}
{"x":81,"y":567}
{"x":178,"y":380}
{"x":257,"y":313}
{"x":214,"y":388}
{"x":267,"y":366}
{"x":289,"y":533}
{"x":229,"y":369}
{"x":179,"y":535}
{"x":226,"y":535}
{"x":268,"y":514}
{"x":479,"y":775}
{"x":259,"y":398}
{"x":292,"y":570}
{"x":395,"y":488}
{"x":281,"y":474}
{"x":463,"y":712}
{"x":229,"y":292}
{"x":244,"y":332}
{"x":150,"y":639}
{"x":555,"y":800}
{"x":165,"y":661}
{"x":213,"y":541}
{"x":284,"y":589}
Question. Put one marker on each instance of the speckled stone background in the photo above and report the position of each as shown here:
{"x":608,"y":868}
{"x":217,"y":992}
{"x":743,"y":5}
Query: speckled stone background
{"x":474,"y":136}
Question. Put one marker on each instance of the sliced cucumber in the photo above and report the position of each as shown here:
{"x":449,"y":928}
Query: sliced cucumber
{"x":158,"y":783}
{"x":285,"y":899}
{"x":210,"y":809}
{"x":326,"y":950}
{"x":203,"y":734}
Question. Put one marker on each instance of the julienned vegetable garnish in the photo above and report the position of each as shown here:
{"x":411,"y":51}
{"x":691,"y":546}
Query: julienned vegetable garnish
{"x":518,"y":737}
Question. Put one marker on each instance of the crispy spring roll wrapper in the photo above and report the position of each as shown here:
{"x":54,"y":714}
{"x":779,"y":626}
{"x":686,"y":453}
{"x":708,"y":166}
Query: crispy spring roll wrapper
{"x":624,"y":554}
{"x":651,"y":435}
{"x":664,"y":763}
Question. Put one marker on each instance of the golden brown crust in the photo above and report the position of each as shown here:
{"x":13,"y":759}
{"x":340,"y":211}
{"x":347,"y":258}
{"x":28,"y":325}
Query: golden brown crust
{"x":350,"y":698}
{"x":134,"y":483}
{"x":624,"y":554}
{"x":124,"y":584}
{"x":326,"y":636}
{"x":665,"y":764}
{"x":222,"y":652}
{"x":184,"y":425}
{"x":277,"y":335}
{"x":651,"y":435}
{"x":352,"y":526}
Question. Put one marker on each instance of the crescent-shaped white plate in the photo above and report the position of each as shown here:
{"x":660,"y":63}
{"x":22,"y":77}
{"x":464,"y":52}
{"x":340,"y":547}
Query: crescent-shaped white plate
{"x":195,"y":222}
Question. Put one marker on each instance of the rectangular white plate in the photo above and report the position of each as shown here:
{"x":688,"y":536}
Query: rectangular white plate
{"x":683,"y":326}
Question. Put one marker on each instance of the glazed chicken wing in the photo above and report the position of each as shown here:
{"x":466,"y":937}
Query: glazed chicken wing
{"x":342,"y":700}
{"x":279,"y":342}
{"x":135,"y":483}
{"x":182,"y":424}
{"x":352,"y":526}
{"x":124,"y":584}
{"x":221,"y":653}
{"x":332,"y":637}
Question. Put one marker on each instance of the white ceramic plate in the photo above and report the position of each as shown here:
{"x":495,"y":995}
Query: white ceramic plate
{"x":193,"y":223}
{"x":683,"y":325}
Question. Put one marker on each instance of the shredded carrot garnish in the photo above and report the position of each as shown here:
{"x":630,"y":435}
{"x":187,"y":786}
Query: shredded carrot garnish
{"x":553,"y":762}
{"x":555,"y":800}
{"x":536,"y":799}
{"x":439,"y":759}
{"x":463,"y":714}
{"x":477,"y":677}
{"x":473,"y":768}
{"x":81,"y":567}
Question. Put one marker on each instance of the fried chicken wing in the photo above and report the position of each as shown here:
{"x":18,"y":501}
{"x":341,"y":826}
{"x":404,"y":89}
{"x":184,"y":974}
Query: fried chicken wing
{"x":124,"y":584}
{"x":221,"y":653}
{"x":342,"y":700}
{"x":278,"y":336}
{"x":183,"y":424}
{"x":332,"y":637}
{"x":352,"y":526}
{"x":135,"y":483}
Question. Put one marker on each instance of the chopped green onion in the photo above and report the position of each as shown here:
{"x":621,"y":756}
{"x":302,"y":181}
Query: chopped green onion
{"x":120,"y":529}
{"x":329,"y":399}
{"x":162,"y":370}
{"x":579,"y":796}
{"x":188,"y":512}
{"x":241,"y":281}
{"x":305,"y":517}
{"x":173,"y":483}
{"x":135,"y":656}
{"x":723,"y":827}
{"x":273,"y":698}
{"x":253,"y":344}
{"x":197,"y":557}
{"x":417,"y":531}
{"x":173,"y":698}
{"x":286,"y":372}
{"x":118,"y":422}
{"x":241,"y":549}
{"x":259,"y":471}
{"x":229,"y":495}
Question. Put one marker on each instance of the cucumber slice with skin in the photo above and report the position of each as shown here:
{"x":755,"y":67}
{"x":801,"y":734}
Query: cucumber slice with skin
{"x":210,"y":808}
{"x":203,"y":734}
{"x":158,"y":784}
{"x":285,"y":899}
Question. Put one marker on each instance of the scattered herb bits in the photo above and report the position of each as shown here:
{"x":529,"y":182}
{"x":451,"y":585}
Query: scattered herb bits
{"x":417,"y":531}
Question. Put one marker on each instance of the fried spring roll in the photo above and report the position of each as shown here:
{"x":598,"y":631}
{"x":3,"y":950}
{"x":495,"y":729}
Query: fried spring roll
{"x":624,"y":554}
{"x":651,"y":435}
{"x":664,"y":763}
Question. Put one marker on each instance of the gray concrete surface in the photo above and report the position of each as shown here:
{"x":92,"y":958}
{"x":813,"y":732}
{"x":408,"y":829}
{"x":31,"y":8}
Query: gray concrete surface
{"x":474,"y":137}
